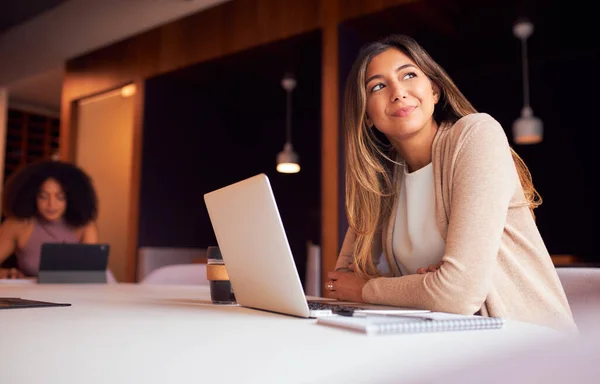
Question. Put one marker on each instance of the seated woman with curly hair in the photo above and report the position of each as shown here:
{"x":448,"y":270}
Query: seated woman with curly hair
{"x":45,"y":202}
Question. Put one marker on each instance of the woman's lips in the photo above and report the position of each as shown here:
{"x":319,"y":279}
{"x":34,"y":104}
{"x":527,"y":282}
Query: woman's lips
{"x":404,"y":111}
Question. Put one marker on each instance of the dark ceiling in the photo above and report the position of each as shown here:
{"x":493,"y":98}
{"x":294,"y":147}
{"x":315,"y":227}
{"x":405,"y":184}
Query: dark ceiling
{"x":16,"y":12}
{"x":463,"y":31}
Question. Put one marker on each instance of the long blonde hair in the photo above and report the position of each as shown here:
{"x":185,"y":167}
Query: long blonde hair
{"x":370,"y":190}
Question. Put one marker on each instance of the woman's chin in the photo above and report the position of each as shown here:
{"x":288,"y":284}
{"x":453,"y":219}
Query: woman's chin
{"x":51,"y":217}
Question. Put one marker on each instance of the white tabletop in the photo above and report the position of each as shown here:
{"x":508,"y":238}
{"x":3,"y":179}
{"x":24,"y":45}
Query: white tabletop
{"x":128,"y":333}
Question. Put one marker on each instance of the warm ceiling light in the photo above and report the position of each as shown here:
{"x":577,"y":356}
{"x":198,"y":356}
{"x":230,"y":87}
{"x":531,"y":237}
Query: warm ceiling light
{"x":287,"y":160}
{"x":527,"y":129}
{"x":128,"y":90}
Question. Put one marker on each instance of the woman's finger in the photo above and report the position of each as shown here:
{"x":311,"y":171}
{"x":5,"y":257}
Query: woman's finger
{"x":421,"y":271}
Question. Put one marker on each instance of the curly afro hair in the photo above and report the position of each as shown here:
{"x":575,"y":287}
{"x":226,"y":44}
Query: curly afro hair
{"x":22,"y":187}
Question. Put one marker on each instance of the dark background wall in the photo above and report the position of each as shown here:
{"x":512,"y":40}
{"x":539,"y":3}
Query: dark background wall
{"x":213,"y":124}
{"x":474,"y":42}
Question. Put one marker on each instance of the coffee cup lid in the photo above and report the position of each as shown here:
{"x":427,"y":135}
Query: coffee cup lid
{"x":213,"y":253}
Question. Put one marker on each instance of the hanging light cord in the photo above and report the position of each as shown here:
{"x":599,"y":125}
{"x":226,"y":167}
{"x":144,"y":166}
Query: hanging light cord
{"x":288,"y":120}
{"x":525,"y":71}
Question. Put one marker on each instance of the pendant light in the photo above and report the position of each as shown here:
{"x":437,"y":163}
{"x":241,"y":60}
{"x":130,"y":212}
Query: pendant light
{"x":287,"y":160}
{"x":527,"y":129}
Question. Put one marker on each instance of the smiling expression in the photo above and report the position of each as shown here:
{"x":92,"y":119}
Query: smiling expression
{"x":400,"y":97}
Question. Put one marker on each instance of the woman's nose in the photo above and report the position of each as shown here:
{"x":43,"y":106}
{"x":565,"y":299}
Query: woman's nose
{"x":398,"y":93}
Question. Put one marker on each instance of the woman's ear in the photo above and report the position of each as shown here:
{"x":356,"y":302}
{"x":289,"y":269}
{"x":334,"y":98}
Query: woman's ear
{"x":369,"y":121}
{"x":436,"y":92}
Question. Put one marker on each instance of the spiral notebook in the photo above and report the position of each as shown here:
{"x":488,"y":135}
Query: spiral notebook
{"x":375,"y":324}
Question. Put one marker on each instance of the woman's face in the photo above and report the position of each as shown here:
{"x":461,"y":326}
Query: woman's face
{"x":400,"y":97}
{"x":51,"y":200}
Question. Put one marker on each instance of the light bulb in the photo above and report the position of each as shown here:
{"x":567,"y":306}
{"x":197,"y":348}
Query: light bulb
{"x":287,"y":160}
{"x":527,"y":129}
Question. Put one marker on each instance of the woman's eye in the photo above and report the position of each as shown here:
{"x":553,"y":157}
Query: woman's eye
{"x":409,"y":75}
{"x":377,"y":87}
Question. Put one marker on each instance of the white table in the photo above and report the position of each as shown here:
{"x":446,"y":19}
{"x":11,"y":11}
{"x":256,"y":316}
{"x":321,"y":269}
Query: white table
{"x":128,"y":333}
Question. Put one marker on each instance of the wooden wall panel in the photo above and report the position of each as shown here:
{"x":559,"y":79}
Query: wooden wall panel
{"x":329,"y":138}
{"x":136,"y":165}
{"x":226,"y":29}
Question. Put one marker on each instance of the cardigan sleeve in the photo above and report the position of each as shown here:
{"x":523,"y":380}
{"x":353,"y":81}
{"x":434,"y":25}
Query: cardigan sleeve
{"x":484,"y":179}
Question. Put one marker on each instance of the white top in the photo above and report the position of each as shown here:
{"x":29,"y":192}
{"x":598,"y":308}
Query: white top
{"x":135,"y":333}
{"x":416,"y":240}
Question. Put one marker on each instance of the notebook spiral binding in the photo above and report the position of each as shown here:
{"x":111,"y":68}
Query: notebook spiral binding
{"x":386,"y":324}
{"x":465,"y":324}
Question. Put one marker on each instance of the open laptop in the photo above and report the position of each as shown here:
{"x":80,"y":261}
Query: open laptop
{"x":75,"y":263}
{"x":257,"y":255}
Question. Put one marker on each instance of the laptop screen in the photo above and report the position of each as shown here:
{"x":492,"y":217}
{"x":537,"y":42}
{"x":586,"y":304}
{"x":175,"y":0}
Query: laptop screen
{"x":73,"y":257}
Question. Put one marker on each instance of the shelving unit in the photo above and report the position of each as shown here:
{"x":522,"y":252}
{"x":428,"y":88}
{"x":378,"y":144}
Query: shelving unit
{"x":29,"y":137}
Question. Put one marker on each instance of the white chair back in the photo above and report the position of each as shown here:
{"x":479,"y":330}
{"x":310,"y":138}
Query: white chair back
{"x":582,"y":287}
{"x":110,"y":277}
{"x":178,"y":274}
{"x":151,"y":258}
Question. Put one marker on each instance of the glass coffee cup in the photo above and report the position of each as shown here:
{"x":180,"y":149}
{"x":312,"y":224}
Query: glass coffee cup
{"x":221,"y":291}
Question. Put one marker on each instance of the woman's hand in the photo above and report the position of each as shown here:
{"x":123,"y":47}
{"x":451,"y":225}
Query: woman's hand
{"x":345,"y":286}
{"x":11,"y":273}
{"x":431,"y":268}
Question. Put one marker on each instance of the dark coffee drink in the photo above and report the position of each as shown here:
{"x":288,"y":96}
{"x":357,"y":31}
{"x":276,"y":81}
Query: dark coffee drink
{"x":221,"y":291}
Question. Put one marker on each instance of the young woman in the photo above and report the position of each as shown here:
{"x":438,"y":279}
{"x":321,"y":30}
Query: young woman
{"x":49,"y":201}
{"x":436,"y":188}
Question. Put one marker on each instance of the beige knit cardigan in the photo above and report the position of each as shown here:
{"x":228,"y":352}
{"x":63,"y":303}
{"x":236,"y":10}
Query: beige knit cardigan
{"x":495,"y":261}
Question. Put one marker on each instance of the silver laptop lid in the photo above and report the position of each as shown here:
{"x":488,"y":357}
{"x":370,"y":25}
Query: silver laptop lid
{"x":255,"y":248}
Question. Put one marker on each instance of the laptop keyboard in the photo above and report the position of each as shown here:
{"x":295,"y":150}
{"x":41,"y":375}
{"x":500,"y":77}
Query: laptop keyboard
{"x":317,"y":305}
